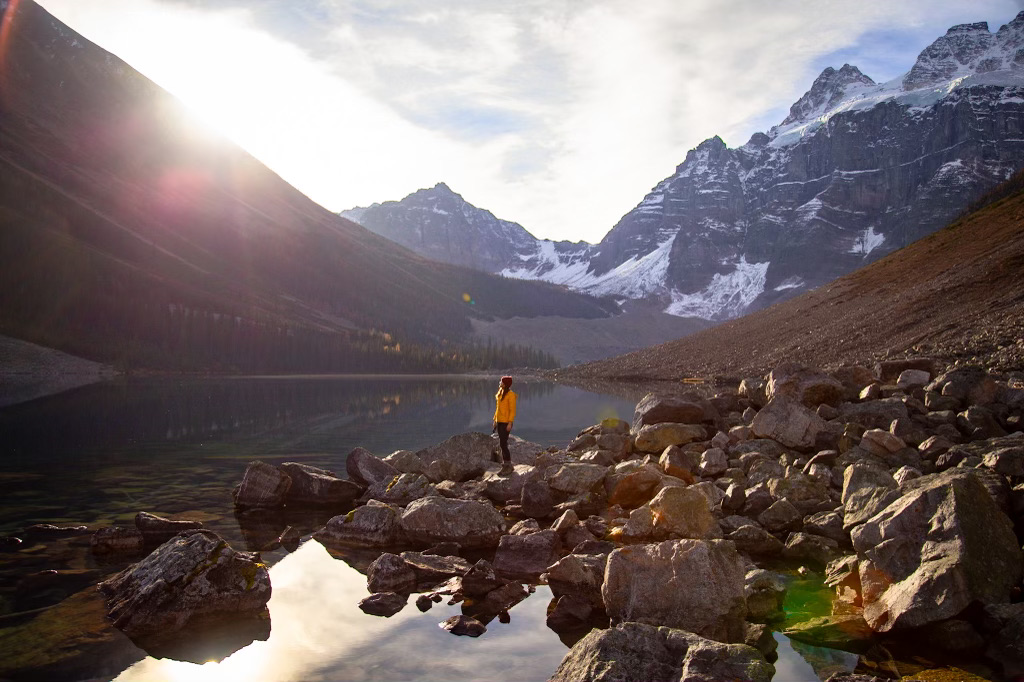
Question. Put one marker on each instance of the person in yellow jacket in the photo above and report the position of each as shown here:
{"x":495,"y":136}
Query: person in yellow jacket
{"x":504,"y":415}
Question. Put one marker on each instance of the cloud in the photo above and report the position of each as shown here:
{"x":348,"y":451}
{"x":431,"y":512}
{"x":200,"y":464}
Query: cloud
{"x":557,"y":114}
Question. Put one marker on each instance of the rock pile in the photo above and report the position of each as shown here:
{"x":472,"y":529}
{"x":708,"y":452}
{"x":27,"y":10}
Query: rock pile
{"x":905,"y":484}
{"x":192,"y":585}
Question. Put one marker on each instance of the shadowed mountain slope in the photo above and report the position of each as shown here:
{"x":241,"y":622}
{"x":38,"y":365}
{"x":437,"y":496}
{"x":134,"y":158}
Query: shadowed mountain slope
{"x":956,"y":295}
{"x":129,"y":234}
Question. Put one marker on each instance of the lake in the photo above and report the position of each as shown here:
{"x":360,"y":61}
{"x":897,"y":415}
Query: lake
{"x":99,"y":454}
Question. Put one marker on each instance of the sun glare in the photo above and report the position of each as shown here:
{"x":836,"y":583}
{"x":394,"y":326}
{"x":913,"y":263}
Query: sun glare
{"x":316,"y":130}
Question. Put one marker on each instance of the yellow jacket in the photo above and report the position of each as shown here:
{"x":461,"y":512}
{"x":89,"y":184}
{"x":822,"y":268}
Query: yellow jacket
{"x":505,"y":410}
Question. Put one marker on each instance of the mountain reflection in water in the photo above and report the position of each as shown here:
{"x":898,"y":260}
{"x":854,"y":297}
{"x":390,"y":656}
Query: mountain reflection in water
{"x":319,"y":633}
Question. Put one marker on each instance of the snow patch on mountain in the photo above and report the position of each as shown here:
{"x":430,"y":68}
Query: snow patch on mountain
{"x":550,"y":266}
{"x":638,"y":277}
{"x":867,"y":242}
{"x":794,"y":282}
{"x":726,"y":296}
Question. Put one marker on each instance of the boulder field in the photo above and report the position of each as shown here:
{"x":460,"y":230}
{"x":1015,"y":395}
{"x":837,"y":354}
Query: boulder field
{"x":903,"y":483}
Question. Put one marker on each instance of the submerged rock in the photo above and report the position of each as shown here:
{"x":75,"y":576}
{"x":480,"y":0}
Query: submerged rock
{"x":192,"y":581}
{"x":637,"y":652}
{"x":157,"y":530}
{"x":117,"y":540}
{"x":849,"y":633}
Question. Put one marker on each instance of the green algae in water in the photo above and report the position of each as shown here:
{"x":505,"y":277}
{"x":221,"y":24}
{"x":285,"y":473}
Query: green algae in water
{"x":807,"y":597}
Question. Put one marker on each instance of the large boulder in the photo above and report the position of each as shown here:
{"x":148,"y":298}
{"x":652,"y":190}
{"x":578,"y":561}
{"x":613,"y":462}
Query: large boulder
{"x":263,"y":486}
{"x":637,"y":652}
{"x":695,"y":585}
{"x":634,"y":486}
{"x":683,"y":464}
{"x":365,"y":468}
{"x":375,"y":524}
{"x":756,"y":541}
{"x":431,"y":569}
{"x":943,"y":545}
{"x":575,"y":478}
{"x":683,"y":513}
{"x":867,"y":490}
{"x":815,"y":549}
{"x":807,"y":494}
{"x":536,"y":499}
{"x":789,"y":423}
{"x":193,"y":581}
{"x":437,"y":519}
{"x":766,"y":593}
{"x":459,"y":458}
{"x":580,"y":575}
{"x":526,"y":555}
{"x":315,"y":487}
{"x":804,"y":385}
{"x":689,"y":408}
{"x":654,"y":438}
{"x":505,"y":489}
{"x":390,"y":573}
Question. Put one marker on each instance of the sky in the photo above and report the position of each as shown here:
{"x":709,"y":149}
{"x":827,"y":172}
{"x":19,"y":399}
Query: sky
{"x":556,"y":114}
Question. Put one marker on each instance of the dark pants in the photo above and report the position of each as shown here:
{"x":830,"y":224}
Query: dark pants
{"x":506,"y":456}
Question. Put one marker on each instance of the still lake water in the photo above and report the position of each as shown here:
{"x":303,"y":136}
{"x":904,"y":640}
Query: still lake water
{"x":99,"y":454}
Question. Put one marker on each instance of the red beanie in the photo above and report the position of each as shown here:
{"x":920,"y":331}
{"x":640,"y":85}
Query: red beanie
{"x":507,"y":381}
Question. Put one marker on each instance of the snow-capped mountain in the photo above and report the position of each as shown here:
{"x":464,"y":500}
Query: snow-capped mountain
{"x":856,"y":170}
{"x":441,"y":225}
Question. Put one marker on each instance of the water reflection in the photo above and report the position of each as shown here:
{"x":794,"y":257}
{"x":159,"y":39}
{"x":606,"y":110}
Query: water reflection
{"x":99,"y":454}
{"x":320,"y":634}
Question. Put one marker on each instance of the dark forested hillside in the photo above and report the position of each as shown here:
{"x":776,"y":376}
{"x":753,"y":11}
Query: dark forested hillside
{"x":128,"y":235}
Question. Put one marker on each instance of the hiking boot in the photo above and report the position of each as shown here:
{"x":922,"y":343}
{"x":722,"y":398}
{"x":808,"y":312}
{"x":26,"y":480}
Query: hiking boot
{"x":506,"y":469}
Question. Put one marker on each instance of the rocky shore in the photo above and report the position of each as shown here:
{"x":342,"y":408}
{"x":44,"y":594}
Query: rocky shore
{"x":662,"y":539}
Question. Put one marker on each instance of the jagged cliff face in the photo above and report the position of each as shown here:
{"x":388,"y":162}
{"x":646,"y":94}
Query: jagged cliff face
{"x":855,"y":171}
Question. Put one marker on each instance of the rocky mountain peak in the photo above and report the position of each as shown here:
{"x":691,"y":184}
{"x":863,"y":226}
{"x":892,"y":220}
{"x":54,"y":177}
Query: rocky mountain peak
{"x":959,"y":52}
{"x":968,"y":28}
{"x":828,"y":89}
{"x":1017,"y":23}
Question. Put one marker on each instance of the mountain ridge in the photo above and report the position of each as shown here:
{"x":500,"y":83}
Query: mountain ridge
{"x":955,"y":295}
{"x":856,"y":170}
{"x":130,"y":237}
